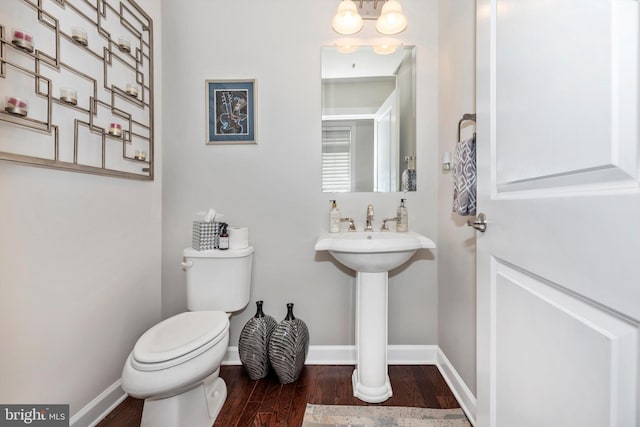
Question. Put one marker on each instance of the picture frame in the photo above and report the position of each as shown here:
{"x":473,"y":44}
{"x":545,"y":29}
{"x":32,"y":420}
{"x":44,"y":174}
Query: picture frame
{"x":231,"y":111}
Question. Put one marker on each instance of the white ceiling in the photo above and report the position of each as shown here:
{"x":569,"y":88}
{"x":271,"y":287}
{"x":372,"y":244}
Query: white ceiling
{"x":364,"y":62}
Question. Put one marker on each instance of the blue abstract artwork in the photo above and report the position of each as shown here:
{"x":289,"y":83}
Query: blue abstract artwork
{"x":231,"y":111}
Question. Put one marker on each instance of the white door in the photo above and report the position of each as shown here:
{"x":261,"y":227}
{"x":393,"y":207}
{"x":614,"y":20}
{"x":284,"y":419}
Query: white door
{"x":386,"y":145}
{"x":558,"y":179}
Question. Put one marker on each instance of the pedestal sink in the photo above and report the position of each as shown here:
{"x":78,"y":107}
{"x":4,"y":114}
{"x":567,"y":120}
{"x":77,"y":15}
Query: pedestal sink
{"x":372,"y":254}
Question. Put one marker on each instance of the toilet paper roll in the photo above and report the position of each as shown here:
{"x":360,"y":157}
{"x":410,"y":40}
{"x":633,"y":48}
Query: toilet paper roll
{"x":238,"y":237}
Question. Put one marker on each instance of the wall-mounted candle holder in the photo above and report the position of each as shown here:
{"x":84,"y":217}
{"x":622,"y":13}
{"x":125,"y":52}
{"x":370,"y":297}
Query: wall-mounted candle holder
{"x":79,"y":35}
{"x":124,"y":44}
{"x":16,"y":106}
{"x":132,"y":89}
{"x":51,"y":88}
{"x":115,"y":129}
{"x":69,"y":96}
{"x":22,"y":40}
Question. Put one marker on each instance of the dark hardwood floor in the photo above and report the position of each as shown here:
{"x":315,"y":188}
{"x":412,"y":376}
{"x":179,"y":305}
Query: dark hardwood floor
{"x":268,"y":403}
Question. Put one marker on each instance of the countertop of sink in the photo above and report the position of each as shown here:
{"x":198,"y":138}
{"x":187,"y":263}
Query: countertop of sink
{"x":372,"y":241}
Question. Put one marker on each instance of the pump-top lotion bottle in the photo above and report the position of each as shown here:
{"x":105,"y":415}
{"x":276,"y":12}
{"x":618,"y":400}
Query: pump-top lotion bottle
{"x":334,"y":218}
{"x":223,"y":243}
{"x":403,"y":217}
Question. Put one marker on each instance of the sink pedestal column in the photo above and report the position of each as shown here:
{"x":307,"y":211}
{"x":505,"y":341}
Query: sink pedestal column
{"x":370,"y":378}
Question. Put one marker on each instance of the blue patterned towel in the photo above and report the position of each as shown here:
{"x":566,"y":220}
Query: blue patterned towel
{"x":464,"y":178}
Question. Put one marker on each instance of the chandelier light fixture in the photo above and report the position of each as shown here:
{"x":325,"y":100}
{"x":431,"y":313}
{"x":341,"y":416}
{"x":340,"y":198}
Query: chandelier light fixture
{"x":388,"y":15}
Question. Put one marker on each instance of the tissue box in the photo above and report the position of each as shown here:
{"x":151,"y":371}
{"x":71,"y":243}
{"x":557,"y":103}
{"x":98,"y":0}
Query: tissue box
{"x":205,"y":236}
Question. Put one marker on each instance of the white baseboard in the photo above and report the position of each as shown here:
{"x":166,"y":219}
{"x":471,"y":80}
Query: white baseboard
{"x":318,"y":355}
{"x":412,"y":354}
{"x":94,"y":411}
{"x":346,"y":355}
{"x":99,"y":407}
{"x":465,"y":398}
{"x":232,"y":357}
{"x":331,"y":355}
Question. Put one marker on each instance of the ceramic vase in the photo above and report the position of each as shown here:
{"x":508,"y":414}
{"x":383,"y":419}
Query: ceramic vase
{"x":253,"y":344}
{"x":288,"y":347}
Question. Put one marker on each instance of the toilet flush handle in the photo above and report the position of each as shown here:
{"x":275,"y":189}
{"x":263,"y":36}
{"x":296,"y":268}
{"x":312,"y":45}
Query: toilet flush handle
{"x":187,"y":264}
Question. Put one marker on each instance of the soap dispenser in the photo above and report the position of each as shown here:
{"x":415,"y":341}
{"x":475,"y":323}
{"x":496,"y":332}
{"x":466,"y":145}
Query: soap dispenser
{"x":223,"y":242}
{"x":334,"y":218}
{"x":403,"y":217}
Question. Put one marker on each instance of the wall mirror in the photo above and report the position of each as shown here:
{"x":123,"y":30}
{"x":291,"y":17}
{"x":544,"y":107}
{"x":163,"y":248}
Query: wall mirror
{"x":368,"y":119}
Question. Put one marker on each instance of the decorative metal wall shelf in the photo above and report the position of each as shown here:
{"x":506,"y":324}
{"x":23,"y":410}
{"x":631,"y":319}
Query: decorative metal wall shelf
{"x":86,"y":73}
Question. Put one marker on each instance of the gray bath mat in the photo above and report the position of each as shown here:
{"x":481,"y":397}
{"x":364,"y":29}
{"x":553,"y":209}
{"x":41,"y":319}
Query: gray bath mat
{"x":381,"y":416}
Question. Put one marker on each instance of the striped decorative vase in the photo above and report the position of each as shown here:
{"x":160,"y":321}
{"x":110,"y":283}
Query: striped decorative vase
{"x":253,"y":345}
{"x":288,"y":347}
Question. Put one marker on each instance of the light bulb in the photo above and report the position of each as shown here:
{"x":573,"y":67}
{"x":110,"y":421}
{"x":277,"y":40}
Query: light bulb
{"x":384,"y":49}
{"x":347,"y":20}
{"x":392,"y":20}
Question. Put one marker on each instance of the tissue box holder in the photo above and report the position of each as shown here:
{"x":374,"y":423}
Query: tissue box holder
{"x":205,"y":236}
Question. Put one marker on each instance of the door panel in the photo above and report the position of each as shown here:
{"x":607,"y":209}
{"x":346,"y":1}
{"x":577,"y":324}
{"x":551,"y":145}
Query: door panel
{"x":558,"y":167}
{"x":540,"y":63}
{"x":550,"y":343}
{"x":567,"y":74}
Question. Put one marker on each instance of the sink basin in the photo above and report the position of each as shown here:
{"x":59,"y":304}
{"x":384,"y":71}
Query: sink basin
{"x":373,"y":251}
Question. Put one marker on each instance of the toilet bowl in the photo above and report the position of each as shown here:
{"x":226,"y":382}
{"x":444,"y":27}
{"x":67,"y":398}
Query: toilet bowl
{"x":175,"y":365}
{"x":176,"y":360}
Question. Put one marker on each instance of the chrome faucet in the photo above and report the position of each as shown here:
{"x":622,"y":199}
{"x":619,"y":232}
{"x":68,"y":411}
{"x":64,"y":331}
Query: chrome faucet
{"x":385,"y":226}
{"x":352,"y":225}
{"x":369,"y":223}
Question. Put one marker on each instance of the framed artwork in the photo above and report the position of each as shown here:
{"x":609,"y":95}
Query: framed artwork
{"x":231,"y":111}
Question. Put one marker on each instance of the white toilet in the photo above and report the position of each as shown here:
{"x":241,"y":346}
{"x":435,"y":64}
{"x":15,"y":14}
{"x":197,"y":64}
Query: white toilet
{"x":174,"y":366}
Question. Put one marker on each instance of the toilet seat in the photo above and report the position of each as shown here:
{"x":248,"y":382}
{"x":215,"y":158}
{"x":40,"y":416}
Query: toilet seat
{"x":179,"y":339}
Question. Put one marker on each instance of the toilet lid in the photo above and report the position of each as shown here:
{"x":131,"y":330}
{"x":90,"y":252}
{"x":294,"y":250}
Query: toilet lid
{"x":179,"y":335}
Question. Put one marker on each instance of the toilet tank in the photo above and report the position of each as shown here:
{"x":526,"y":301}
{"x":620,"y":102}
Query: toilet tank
{"x":218,"y":279}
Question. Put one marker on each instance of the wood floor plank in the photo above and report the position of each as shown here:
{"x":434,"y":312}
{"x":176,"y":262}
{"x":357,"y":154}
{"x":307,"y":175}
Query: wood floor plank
{"x":442,"y":392}
{"x":259,"y":392}
{"x":248,"y":415}
{"x":127,"y":414}
{"x":262,"y":419}
{"x":405,"y":380}
{"x":271,"y":395}
{"x":256,"y":401}
{"x":325,"y":388}
{"x":300,"y":396}
{"x":428,"y":390}
{"x":283,"y":406}
{"x":267,"y":403}
{"x":239,"y":388}
{"x":344,"y":387}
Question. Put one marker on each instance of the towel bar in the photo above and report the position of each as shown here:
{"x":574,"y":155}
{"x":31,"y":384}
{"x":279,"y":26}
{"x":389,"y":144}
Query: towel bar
{"x":465,"y":117}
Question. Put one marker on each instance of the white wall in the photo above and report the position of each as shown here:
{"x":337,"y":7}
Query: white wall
{"x":355,"y":95}
{"x":274,"y":187}
{"x":456,"y":260}
{"x":79,"y":274}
